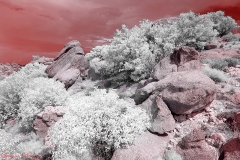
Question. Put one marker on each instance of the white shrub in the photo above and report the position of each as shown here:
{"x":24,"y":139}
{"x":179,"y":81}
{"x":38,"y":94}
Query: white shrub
{"x":39,"y":93}
{"x":97,"y":124}
{"x":12,"y":86}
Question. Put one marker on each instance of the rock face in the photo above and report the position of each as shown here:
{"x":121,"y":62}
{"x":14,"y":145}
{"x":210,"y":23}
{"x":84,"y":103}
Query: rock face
{"x":161,"y":117}
{"x":146,"y":147}
{"x":7,"y":69}
{"x":183,"y":92}
{"x":194,"y":146}
{"x":69,"y":64}
{"x":47,"y":118}
{"x":183,"y":59}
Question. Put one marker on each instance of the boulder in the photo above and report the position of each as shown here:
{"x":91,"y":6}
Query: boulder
{"x":147,"y":146}
{"x":183,"y":59}
{"x":162,"y":120}
{"x":231,"y":150}
{"x":194,"y":146}
{"x":45,"y":119}
{"x":163,"y":68}
{"x":70,"y":59}
{"x":184,"y":54}
{"x":67,"y":76}
{"x":183,"y":92}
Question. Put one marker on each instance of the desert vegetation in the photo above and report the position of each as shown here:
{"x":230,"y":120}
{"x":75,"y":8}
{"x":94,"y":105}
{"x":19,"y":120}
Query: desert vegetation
{"x":137,"y":50}
{"x":99,"y":121}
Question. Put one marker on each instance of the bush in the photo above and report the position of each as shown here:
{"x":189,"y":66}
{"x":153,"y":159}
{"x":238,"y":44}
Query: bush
{"x":215,"y":75}
{"x":194,"y":30}
{"x":128,"y":52}
{"x":232,"y":62}
{"x":12,"y":86}
{"x":17,"y":145}
{"x":97,"y":125}
{"x":172,"y":155}
{"x":223,"y":24}
{"x":39,"y":93}
{"x":221,"y":64}
{"x":231,"y":37}
{"x":137,"y":50}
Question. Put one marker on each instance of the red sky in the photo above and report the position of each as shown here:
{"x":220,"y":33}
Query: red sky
{"x":43,"y":27}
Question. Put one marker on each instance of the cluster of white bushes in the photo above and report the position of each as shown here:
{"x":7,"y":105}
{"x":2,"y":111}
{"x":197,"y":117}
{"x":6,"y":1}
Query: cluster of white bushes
{"x":139,"y":49}
{"x":98,"y":121}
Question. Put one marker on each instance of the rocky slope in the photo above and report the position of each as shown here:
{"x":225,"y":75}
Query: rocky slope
{"x":191,"y":114}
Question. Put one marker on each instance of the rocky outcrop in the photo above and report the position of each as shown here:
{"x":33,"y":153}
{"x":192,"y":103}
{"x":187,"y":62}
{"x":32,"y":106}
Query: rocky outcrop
{"x":147,"y":146}
{"x":7,"y":69}
{"x":194,"y":146}
{"x":69,"y":64}
{"x":183,"y":92}
{"x":47,"y":118}
{"x":162,"y":120}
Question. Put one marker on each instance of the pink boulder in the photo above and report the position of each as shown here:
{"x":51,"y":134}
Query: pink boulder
{"x":147,"y":146}
{"x":231,"y":150}
{"x":70,"y":59}
{"x":183,"y":92}
{"x":194,"y":147}
{"x":47,"y":118}
{"x":162,"y":120}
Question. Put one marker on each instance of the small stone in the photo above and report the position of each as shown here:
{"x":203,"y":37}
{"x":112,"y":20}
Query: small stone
{"x":45,"y":117}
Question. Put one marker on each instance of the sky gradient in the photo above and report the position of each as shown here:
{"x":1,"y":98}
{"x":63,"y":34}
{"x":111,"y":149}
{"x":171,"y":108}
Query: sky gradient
{"x":43,"y":27}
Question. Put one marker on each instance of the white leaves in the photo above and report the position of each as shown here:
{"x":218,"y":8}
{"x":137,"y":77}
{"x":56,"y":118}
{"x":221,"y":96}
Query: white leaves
{"x":99,"y":118}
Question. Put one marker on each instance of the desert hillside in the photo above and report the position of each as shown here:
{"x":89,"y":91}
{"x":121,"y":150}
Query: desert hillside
{"x":163,"y":90}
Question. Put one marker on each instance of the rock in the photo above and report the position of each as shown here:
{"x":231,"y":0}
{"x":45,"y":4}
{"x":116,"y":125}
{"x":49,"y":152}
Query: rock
{"x":147,"y":146}
{"x":231,"y":150}
{"x":70,"y":59}
{"x":210,"y":46}
{"x":183,"y":59}
{"x":194,"y":146}
{"x":45,"y":119}
{"x":68,"y":76}
{"x":40,"y":127}
{"x":235,"y":98}
{"x":162,"y":120}
{"x":183,"y":92}
{"x":184,"y":54}
{"x":7,"y":69}
{"x":216,"y":139}
{"x":163,"y":68}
